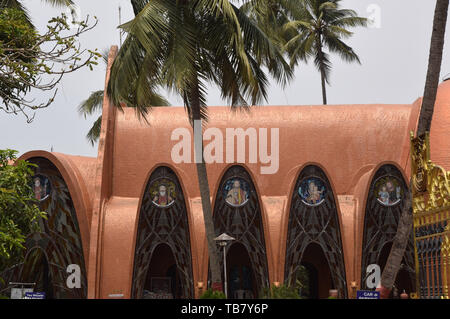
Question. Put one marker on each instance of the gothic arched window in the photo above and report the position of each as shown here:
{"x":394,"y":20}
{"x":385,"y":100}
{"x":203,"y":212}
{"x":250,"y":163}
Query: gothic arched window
{"x":384,"y":207}
{"x":163,"y":220}
{"x":237,"y":212}
{"x":313,"y":219}
{"x":57,"y":245}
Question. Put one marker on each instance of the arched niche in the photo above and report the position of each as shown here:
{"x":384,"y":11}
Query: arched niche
{"x":384,"y":206}
{"x":237,"y":212}
{"x":314,"y":235}
{"x":163,"y":230}
{"x":57,"y":245}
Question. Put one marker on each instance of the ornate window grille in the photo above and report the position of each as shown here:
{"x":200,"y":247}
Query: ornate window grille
{"x":244,"y":222}
{"x":59,"y":242}
{"x":314,"y":223}
{"x":380,"y":223}
{"x":163,"y":223}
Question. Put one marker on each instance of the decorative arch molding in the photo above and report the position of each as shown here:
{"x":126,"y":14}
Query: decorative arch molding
{"x":59,"y":239}
{"x":163,"y":222}
{"x":314,"y":220}
{"x":382,"y":213}
{"x":243,"y":220}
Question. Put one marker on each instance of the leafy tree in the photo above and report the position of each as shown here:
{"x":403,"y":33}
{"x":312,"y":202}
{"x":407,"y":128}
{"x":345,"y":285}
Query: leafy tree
{"x":32,"y":61}
{"x":320,"y":25}
{"x":183,"y":46}
{"x":405,"y":224}
{"x":19,"y":212}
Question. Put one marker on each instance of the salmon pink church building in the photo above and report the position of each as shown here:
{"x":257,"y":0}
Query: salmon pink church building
{"x":129,"y":222}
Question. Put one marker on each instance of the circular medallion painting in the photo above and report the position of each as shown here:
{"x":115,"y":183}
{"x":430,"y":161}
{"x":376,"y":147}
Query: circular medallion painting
{"x":312,"y":191}
{"x":236,"y":191}
{"x":388,"y":190}
{"x":41,"y":187}
{"x":163,"y":192}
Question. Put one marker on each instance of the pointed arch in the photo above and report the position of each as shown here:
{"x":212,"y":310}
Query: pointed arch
{"x":163,"y":220}
{"x":313,"y":219}
{"x":59,"y":238}
{"x":384,"y":205}
{"x":237,"y":212}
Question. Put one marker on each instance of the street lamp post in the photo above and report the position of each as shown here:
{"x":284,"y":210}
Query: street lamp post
{"x":223,"y":240}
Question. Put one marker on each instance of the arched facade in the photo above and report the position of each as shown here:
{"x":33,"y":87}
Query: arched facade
{"x":163,"y":220}
{"x":313,"y":219}
{"x":237,"y":212}
{"x":58,"y":244}
{"x":384,"y":205}
{"x":347,"y":140}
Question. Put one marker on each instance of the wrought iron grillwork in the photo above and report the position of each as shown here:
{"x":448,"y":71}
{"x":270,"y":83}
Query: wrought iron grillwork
{"x":315,"y":224}
{"x":380,"y":225}
{"x":244,"y":223}
{"x":163,"y":225}
{"x":431,"y":260}
{"x":59,"y":241}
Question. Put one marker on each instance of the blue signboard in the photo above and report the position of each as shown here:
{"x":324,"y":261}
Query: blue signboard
{"x":367,"y":294}
{"x":35,"y":295}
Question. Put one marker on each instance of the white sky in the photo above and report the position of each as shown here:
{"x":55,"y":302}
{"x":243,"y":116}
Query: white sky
{"x":394,"y":62}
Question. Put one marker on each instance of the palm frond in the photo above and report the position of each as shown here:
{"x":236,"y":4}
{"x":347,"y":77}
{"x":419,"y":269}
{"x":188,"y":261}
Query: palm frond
{"x":323,"y":64}
{"x":59,"y":3}
{"x":92,"y":104}
{"x":343,"y":50}
{"x":94,"y":133}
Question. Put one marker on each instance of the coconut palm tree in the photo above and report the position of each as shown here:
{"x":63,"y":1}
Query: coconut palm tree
{"x":94,"y":104}
{"x":426,"y":114}
{"x":183,"y":46}
{"x":320,"y":25}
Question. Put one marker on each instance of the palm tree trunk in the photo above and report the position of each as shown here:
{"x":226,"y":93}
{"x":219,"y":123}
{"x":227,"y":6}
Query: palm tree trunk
{"x":322,"y":69}
{"x":216,"y":280}
{"x":426,"y":114}
{"x":398,"y":248}
{"x":324,"y":90}
{"x":434,"y":66}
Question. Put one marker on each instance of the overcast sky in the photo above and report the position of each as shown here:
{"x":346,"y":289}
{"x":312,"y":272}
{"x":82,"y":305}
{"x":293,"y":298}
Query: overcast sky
{"x":393,"y":53}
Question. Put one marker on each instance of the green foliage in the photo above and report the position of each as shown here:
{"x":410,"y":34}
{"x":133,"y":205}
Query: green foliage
{"x":302,"y":280}
{"x":280,"y":292}
{"x":19,"y":212}
{"x":210,"y":294}
{"x":306,"y":28}
{"x":185,"y":45}
{"x":33,"y":61}
{"x":322,"y":24}
{"x":94,"y":104}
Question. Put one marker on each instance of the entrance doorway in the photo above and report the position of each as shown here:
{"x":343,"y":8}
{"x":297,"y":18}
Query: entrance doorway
{"x":241,"y":279}
{"x":314,"y":275}
{"x":163,"y":280}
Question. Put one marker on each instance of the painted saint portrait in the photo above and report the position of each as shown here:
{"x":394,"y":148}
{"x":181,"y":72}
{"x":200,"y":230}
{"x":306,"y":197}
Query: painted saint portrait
{"x":236,"y":192}
{"x":312,"y":190}
{"x":41,"y":187}
{"x":388,"y":191}
{"x":163,"y":192}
